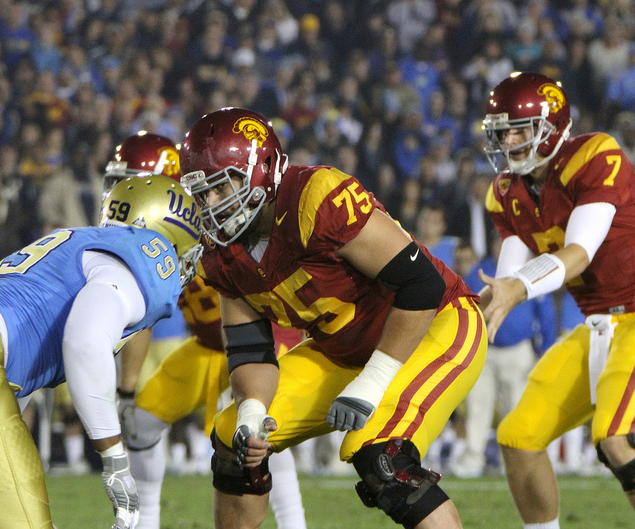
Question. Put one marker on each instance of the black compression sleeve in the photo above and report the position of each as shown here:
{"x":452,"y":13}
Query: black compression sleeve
{"x":417,"y":283}
{"x":250,"y":343}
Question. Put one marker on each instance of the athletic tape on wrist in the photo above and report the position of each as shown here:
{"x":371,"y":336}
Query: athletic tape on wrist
{"x":251,"y":413}
{"x":374,"y":379}
{"x":542,"y":275}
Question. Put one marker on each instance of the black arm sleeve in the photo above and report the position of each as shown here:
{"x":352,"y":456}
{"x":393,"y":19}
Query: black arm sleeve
{"x":417,"y":283}
{"x":250,"y":343}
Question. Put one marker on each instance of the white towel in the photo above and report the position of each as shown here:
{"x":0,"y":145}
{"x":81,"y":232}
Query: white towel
{"x":602,"y":329}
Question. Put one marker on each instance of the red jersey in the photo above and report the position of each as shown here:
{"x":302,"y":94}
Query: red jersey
{"x":300,"y":282}
{"x":588,"y":168}
{"x":201,"y":310}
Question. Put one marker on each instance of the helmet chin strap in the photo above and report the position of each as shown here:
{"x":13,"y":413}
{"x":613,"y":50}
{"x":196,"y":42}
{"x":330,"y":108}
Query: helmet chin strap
{"x":546,"y":159}
{"x":252,"y":160}
{"x":282,"y":162}
{"x":235,"y":224}
{"x":278,"y":171}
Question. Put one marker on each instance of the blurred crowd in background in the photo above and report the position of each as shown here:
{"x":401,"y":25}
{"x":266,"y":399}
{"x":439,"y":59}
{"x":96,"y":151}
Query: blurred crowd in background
{"x":391,"y":91}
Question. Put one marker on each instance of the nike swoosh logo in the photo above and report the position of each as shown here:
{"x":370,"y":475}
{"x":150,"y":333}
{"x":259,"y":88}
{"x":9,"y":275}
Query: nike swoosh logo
{"x":279,"y":220}
{"x":413,"y":257}
{"x":595,"y":323}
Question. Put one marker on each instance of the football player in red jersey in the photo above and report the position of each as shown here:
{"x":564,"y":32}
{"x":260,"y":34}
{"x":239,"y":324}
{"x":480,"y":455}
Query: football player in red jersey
{"x":187,"y":378}
{"x":565,"y":208}
{"x":395,"y":338}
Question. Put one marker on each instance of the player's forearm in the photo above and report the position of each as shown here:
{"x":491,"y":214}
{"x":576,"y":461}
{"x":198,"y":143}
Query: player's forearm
{"x":132,"y":356}
{"x":254,"y":381}
{"x":575,"y":260}
{"x":93,"y":328}
{"x":547,"y":272}
{"x":403,"y":332}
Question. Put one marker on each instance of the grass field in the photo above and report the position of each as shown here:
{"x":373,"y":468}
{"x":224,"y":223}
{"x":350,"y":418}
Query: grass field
{"x":331,"y":503}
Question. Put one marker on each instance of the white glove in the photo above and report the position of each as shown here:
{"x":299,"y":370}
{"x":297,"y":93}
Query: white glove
{"x":120,"y":487}
{"x":252,"y":420}
{"x":125,"y":410}
{"x":354,"y":406}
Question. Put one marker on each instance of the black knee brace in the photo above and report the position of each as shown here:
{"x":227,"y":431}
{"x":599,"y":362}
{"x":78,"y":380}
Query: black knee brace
{"x":626,"y":473}
{"x":232,"y":478}
{"x":394,"y":481}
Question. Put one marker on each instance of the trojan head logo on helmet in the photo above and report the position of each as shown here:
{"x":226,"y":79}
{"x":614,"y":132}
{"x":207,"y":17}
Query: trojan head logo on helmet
{"x":158,"y":203}
{"x":530,"y":100}
{"x":143,"y":154}
{"x":238,"y":148}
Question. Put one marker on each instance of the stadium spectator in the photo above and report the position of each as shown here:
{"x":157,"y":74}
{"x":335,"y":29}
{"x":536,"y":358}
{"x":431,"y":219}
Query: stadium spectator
{"x":468,"y":219}
{"x":620,"y":93}
{"x":581,"y":19}
{"x":411,"y":19}
{"x":608,"y":54}
{"x":624,"y":132}
{"x":485,"y":70}
{"x":16,"y":35}
{"x":419,"y":71}
{"x":431,"y":229}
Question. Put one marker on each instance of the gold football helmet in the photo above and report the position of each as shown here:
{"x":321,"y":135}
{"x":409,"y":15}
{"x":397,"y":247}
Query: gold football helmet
{"x":158,"y":203}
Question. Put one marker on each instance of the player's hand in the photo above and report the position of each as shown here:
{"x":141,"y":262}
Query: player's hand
{"x":122,"y":490}
{"x":507,"y":293}
{"x":126,"y":412}
{"x":349,"y":413}
{"x":355,"y":405}
{"x":253,"y":427}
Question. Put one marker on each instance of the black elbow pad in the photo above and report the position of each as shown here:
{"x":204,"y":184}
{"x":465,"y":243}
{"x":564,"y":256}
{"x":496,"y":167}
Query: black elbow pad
{"x":417,"y":283}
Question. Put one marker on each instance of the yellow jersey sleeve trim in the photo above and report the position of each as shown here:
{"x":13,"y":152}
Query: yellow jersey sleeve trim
{"x":200,"y":271}
{"x":491,"y":204}
{"x":599,"y":143}
{"x":321,"y":183}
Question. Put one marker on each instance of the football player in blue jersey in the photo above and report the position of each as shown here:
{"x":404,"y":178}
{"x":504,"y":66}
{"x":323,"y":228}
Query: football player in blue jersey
{"x":68,"y":301}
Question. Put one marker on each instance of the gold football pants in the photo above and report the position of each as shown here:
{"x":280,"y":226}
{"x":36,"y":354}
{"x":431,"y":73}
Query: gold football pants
{"x":190,"y":377}
{"x":24,"y":502}
{"x":557,"y":397}
{"x":416,"y":405}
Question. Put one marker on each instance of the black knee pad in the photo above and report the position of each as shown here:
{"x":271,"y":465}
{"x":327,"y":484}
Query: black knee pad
{"x":232,"y":478}
{"x":394,"y":481}
{"x":624,"y":474}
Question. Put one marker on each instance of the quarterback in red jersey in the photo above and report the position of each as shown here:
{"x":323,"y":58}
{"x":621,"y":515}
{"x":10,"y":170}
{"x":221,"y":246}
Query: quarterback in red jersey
{"x":395,"y":338}
{"x":565,"y":208}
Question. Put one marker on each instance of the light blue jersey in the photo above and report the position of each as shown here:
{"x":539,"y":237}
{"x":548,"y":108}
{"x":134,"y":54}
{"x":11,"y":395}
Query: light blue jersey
{"x":38,"y":286}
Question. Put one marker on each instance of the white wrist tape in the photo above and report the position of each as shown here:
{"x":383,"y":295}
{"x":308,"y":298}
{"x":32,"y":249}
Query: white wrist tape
{"x":542,"y":275}
{"x":115,"y":450}
{"x":252,"y":413}
{"x":373,"y":381}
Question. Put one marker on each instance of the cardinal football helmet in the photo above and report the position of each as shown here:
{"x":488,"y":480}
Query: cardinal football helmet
{"x":529,"y":100}
{"x":143,"y":154}
{"x":238,"y":143}
{"x":158,"y":203}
